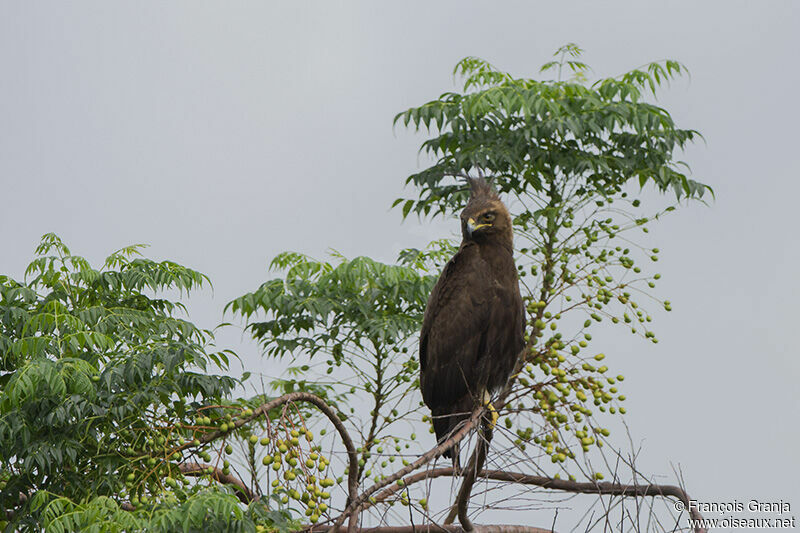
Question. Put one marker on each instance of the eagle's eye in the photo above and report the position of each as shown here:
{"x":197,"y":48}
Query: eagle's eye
{"x":487,"y":217}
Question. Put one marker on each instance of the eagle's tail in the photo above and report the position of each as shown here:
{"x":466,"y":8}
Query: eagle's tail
{"x":447,"y":421}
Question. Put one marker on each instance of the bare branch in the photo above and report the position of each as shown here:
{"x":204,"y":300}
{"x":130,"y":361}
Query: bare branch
{"x":603,"y":488}
{"x":244,"y":494}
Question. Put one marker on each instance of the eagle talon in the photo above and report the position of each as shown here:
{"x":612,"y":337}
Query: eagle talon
{"x":492,"y":414}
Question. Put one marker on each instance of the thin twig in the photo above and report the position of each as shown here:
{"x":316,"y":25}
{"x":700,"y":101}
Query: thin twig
{"x":244,"y":494}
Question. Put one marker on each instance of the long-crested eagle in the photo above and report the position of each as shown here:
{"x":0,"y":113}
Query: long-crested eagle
{"x":474,"y":323}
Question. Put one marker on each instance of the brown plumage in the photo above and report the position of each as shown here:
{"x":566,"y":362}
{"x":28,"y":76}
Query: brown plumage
{"x":474,"y":322}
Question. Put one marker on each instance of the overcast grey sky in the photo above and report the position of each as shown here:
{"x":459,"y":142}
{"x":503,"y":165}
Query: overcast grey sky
{"x":221,"y":133}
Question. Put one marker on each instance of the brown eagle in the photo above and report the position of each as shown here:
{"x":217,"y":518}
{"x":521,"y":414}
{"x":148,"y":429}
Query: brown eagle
{"x":474,"y":323}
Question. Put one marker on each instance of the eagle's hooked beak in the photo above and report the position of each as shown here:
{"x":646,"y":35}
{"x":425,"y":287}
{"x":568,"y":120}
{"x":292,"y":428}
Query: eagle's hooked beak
{"x":472,"y":226}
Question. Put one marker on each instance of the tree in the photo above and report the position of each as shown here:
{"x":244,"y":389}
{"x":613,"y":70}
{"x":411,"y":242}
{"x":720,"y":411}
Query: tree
{"x":111,"y":418}
{"x":103,"y":391}
{"x":567,"y":154}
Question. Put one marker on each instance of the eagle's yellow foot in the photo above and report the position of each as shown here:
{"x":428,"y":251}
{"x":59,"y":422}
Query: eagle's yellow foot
{"x":487,"y":402}
{"x":493,"y":414}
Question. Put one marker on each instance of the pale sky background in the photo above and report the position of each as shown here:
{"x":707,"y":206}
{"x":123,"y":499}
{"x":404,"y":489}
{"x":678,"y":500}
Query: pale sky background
{"x":222,"y":133}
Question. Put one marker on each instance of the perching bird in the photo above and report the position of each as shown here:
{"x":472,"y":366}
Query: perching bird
{"x":474,"y":323}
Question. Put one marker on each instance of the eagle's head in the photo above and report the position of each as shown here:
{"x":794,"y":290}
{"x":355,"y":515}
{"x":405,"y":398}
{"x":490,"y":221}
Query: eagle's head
{"x":485,"y":218}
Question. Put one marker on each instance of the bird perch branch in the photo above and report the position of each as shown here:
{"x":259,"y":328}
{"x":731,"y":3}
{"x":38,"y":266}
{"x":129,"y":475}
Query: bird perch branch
{"x":356,"y":503}
{"x":603,"y":488}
